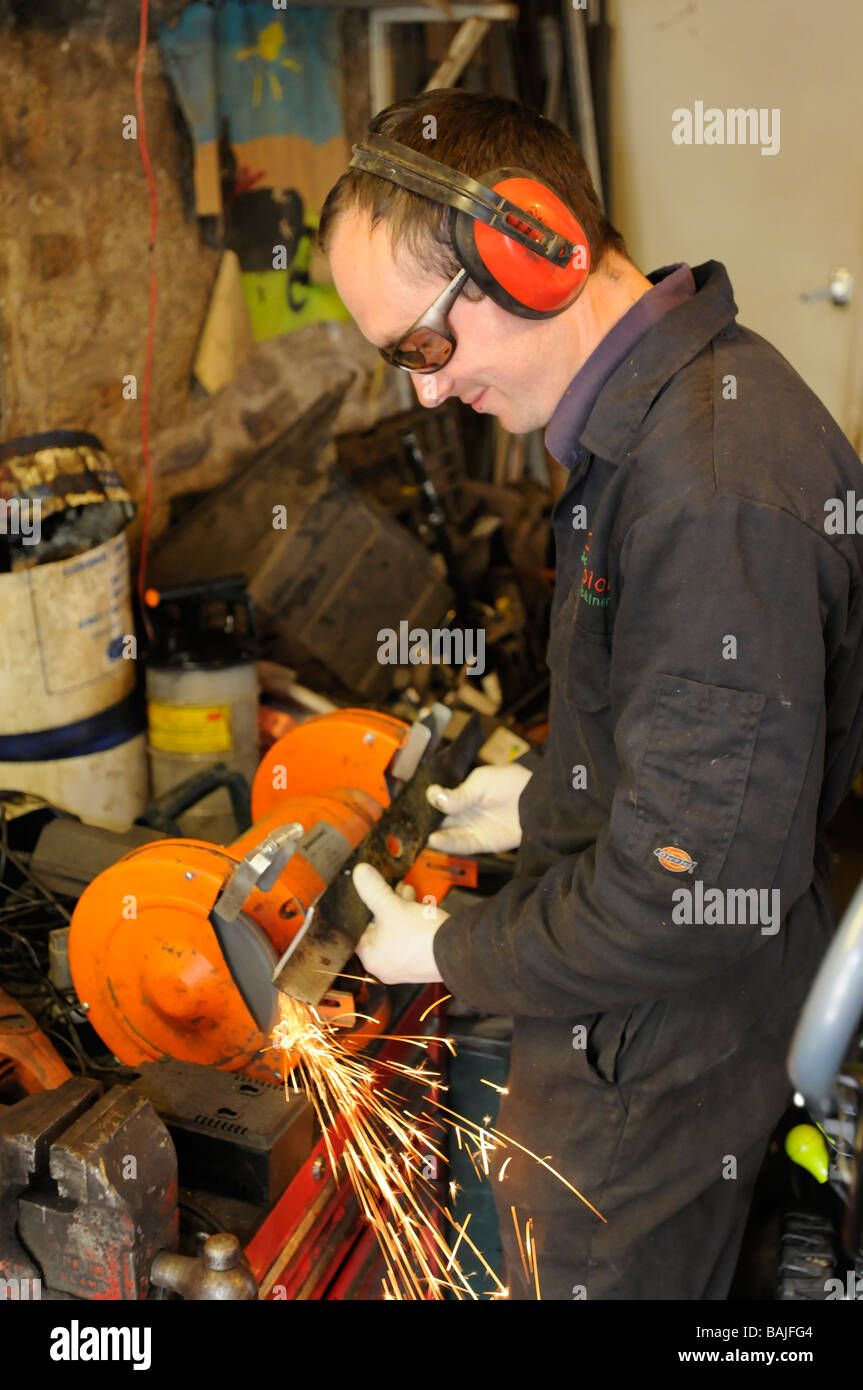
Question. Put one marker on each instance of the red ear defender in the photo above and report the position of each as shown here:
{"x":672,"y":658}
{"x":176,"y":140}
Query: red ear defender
{"x":515,"y":277}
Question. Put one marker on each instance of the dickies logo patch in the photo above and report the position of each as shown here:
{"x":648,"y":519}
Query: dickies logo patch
{"x":676,"y":860}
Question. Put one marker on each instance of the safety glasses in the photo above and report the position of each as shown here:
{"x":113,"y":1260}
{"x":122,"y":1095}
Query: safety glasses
{"x":430,"y":342}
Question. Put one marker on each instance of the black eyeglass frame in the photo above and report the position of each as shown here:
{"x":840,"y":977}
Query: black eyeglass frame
{"x":436,"y":317}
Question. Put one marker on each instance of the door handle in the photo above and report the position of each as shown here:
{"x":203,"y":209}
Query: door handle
{"x":838,"y":290}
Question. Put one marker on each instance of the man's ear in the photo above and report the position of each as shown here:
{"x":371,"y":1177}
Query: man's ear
{"x":473,"y":293}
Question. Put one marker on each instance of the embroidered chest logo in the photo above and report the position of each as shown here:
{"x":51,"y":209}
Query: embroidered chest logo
{"x":679,"y":861}
{"x":594,"y":587}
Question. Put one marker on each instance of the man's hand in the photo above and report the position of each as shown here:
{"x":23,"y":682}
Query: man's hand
{"x":397,"y":946}
{"x":481,"y":814}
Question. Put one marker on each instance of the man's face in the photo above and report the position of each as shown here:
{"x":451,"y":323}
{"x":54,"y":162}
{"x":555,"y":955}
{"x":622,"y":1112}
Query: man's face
{"x":514,"y":362}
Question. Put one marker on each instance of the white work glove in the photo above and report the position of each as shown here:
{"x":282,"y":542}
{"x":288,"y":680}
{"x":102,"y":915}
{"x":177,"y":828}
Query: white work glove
{"x":481,"y":814}
{"x":397,"y":945}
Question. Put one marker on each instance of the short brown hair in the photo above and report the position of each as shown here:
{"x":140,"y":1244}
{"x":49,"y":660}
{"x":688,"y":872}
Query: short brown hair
{"x":475,"y":133}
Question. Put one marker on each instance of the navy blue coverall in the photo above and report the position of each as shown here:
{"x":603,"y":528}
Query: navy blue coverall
{"x":706,"y":659}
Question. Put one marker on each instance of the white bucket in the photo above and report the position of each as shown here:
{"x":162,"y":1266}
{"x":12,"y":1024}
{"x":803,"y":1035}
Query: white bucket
{"x":67,"y":665}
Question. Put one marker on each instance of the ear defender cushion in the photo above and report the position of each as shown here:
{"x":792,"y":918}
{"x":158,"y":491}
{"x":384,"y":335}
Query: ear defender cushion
{"x":516,"y":278}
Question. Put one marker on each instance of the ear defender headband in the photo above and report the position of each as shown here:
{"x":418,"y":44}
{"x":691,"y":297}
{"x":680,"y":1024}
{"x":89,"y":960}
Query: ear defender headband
{"x":515,"y":237}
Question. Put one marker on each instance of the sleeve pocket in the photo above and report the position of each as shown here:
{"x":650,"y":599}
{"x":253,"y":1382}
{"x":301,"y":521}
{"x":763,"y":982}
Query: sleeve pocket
{"x":690,"y":783}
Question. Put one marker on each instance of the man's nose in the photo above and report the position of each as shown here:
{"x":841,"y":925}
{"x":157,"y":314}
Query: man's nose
{"x":432,"y":387}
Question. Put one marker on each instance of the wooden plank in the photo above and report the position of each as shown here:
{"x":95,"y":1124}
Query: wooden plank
{"x":464,"y":45}
{"x":420,"y":14}
{"x":381,"y":83}
{"x":441,"y":6}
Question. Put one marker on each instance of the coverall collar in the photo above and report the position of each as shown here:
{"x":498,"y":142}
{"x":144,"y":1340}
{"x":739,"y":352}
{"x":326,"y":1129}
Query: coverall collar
{"x":608,"y":398}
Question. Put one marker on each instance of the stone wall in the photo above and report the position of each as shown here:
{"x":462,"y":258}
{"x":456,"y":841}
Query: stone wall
{"x":73,"y":229}
{"x":74,"y":215}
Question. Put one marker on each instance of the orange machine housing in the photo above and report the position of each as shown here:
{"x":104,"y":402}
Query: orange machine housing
{"x":142,"y":951}
{"x":28,"y":1061}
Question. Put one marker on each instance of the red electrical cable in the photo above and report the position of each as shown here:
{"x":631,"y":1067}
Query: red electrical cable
{"x":151,"y":313}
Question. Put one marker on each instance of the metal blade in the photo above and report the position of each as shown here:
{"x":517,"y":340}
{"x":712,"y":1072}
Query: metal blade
{"x":340,"y":916}
{"x":251,"y":961}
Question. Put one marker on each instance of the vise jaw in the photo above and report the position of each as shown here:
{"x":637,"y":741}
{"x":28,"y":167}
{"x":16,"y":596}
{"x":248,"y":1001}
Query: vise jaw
{"x":88,"y":1191}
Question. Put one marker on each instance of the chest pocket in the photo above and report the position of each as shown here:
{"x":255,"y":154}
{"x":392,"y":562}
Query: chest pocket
{"x":580,"y":665}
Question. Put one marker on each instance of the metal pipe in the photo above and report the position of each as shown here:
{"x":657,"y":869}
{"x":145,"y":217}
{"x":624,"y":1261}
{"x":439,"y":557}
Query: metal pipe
{"x":832,"y":1011}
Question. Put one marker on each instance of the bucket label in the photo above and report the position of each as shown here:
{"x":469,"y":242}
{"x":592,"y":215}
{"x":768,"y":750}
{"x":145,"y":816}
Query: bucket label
{"x":79,"y":609}
{"x":189,"y":728}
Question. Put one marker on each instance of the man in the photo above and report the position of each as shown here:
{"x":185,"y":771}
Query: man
{"x":671,"y":898}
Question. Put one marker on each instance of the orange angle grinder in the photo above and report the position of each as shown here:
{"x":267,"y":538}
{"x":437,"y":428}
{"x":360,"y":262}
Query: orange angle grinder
{"x":180,"y":948}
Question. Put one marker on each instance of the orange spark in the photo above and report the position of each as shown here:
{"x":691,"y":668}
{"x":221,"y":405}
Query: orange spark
{"x":433,"y":1005}
{"x":520,"y":1246}
{"x":462,"y":1230}
{"x":384,"y":1149}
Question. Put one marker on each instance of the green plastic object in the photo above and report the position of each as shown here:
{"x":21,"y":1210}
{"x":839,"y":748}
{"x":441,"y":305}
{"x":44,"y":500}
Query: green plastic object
{"x":804,"y":1144}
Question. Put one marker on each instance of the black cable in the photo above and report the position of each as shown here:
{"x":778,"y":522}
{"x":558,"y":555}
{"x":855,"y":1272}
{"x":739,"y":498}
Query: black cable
{"x":8,"y":855}
{"x":80,"y":1057}
{"x":7,"y":931}
{"x":28,"y":873}
{"x":59,"y":1011}
{"x":15,"y":912}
